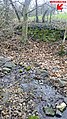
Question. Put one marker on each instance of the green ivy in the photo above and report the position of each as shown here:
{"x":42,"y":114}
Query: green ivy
{"x":33,"y":117}
{"x":44,"y":34}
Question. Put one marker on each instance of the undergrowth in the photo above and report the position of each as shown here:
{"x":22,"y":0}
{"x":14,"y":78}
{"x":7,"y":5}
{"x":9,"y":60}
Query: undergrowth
{"x":62,"y":52}
{"x":44,"y":34}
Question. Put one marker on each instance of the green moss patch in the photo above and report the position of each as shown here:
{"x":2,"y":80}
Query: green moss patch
{"x":44,"y":34}
{"x":33,"y":117}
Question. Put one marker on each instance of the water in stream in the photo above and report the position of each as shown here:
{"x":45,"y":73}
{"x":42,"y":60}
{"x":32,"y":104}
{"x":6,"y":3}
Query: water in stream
{"x":44,"y":94}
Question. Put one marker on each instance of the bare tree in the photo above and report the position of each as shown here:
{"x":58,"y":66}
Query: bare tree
{"x":36,"y":11}
{"x":25,"y":20}
{"x":43,"y":17}
{"x":15,"y":9}
{"x":6,"y":10}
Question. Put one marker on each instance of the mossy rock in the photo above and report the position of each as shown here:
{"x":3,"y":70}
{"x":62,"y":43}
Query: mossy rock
{"x":45,"y":34}
{"x":28,"y":68}
{"x":6,"y":70}
{"x":49,"y":111}
{"x":20,"y":71}
{"x":33,"y":117}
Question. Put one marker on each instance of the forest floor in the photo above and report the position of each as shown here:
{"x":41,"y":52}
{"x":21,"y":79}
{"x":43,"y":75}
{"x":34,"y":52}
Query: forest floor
{"x":43,"y":54}
{"x":35,"y":55}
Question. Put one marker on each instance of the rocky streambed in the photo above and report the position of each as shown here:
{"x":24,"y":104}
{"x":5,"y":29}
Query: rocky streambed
{"x":26,"y":91}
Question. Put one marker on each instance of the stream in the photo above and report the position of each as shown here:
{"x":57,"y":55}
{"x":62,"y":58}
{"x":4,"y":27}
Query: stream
{"x":43,"y":93}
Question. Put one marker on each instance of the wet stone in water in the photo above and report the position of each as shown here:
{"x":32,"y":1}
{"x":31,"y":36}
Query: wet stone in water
{"x":49,"y":111}
{"x":58,"y":113}
{"x":6,"y":69}
{"x":9,"y":65}
{"x":61,"y":106}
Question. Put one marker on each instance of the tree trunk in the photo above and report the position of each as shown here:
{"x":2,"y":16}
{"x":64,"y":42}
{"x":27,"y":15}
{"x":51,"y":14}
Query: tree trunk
{"x":6,"y":6}
{"x":36,"y":11}
{"x":25,"y":21}
{"x":50,"y":17}
{"x":63,"y":42}
{"x":47,"y":18}
{"x":43,"y":17}
{"x":15,"y":10}
{"x":24,"y":25}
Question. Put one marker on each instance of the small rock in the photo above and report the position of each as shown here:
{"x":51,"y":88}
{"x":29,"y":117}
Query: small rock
{"x":3,"y":59}
{"x":6,"y":69}
{"x":0,"y":69}
{"x":24,"y":103}
{"x":24,"y":116}
{"x":44,"y":73}
{"x":1,"y":74}
{"x":37,"y":77}
{"x":20,"y":71}
{"x":21,"y":63}
{"x":9,"y":65}
{"x":66,"y":62}
{"x":61,"y":106}
{"x":55,"y":69}
{"x":35,"y":112}
{"x":20,"y":114}
{"x":1,"y":109}
{"x":62,"y":83}
{"x":4,"y":113}
{"x":1,"y":34}
{"x":65,"y":100}
{"x":28,"y":68}
{"x":49,"y":111}
{"x":1,"y":63}
{"x":58,"y":113}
